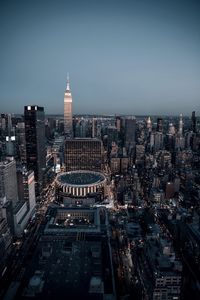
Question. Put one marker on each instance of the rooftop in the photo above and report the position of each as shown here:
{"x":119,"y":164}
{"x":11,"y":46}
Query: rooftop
{"x":68,"y":271}
{"x":80,"y":178}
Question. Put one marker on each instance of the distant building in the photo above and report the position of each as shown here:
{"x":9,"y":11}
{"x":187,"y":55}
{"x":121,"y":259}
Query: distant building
{"x":115,"y":165}
{"x":149,"y":124}
{"x":35,"y":142}
{"x":118,"y":124}
{"x":94,"y":128}
{"x":180,"y":127}
{"x":160,"y":125}
{"x":83,"y":154}
{"x":130,"y":128}
{"x":140,"y":154}
{"x":157,"y":139}
{"x":21,"y":141}
{"x":112,"y":135}
{"x":194,"y":122}
{"x":68,"y":126}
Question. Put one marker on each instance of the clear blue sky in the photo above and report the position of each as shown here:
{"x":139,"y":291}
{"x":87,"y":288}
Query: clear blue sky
{"x":131,"y":57}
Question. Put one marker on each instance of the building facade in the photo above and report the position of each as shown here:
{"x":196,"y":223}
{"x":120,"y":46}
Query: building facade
{"x":26,"y":188}
{"x":8,"y":181}
{"x":35,"y":142}
{"x":130,"y":128}
{"x":83,"y":154}
{"x":68,"y":126}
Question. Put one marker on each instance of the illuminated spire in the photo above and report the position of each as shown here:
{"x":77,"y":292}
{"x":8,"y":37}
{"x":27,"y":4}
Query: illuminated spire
{"x":68,"y":128}
{"x":68,"y":87}
{"x":149,"y":124}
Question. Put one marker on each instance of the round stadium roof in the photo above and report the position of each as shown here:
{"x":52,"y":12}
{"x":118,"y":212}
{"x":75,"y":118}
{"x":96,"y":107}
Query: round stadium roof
{"x":80,"y":178}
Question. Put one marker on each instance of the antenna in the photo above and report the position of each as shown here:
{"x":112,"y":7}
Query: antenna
{"x":68,"y":88}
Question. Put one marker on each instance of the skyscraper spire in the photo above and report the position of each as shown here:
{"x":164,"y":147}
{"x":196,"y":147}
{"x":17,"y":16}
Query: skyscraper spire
{"x":68,"y":87}
{"x":68,"y":128}
{"x":149,"y":124}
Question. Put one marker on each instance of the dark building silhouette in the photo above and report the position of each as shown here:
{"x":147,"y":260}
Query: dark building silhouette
{"x":160,"y":124}
{"x":130,"y":128}
{"x":194,"y":122}
{"x":35,"y":142}
{"x":21,"y":141}
{"x":112,"y":135}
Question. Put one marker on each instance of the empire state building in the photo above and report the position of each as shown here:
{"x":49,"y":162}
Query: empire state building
{"x":68,"y":129}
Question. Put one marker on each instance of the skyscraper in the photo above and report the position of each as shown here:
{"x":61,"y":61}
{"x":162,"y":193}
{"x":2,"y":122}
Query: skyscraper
{"x":26,"y":188}
{"x":194,"y":122}
{"x":149,"y":124}
{"x":180,"y":129}
{"x":68,"y":129}
{"x":160,"y":125}
{"x":130,"y":128}
{"x":7,"y":136}
{"x":35,"y":142}
{"x":8,"y":181}
{"x":21,"y":141}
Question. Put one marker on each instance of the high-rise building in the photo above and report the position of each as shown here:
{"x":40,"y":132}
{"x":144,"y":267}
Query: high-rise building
{"x":83,"y":154}
{"x":180,"y":127}
{"x":160,"y":125}
{"x":157,"y":140}
{"x":8,"y":181}
{"x":194,"y":122}
{"x":94,"y":127}
{"x":149,"y":124}
{"x":68,"y":125}
{"x":112,"y":134}
{"x":35,"y":142}
{"x":118,"y":123}
{"x":172,"y":129}
{"x":130,"y":128}
{"x":7,"y":136}
{"x":26,"y":188}
{"x":21,"y":141}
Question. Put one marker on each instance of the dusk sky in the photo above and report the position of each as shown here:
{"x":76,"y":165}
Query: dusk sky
{"x":125,"y":57}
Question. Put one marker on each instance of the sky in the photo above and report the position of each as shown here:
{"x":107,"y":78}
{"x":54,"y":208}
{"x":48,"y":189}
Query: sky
{"x":123,"y":57}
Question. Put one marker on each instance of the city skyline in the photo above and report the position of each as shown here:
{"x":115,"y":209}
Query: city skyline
{"x":109,"y":211}
{"x":133,"y":57}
